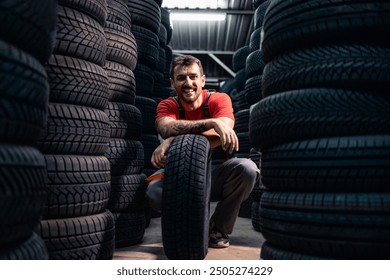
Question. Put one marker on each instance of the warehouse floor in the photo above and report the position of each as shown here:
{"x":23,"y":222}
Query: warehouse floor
{"x":245,"y":244}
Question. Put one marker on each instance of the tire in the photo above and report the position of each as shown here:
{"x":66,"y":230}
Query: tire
{"x":29,"y":25}
{"x":80,"y":35}
{"x":79,"y":238}
{"x":121,"y":45}
{"x":77,"y":186}
{"x":269,"y":252}
{"x":33,"y":248}
{"x":145,"y":13}
{"x":77,"y":81}
{"x":24,"y":95}
{"x":291,"y":25}
{"x":186,"y":197}
{"x":122,"y":84}
{"x":126,"y":156}
{"x":359,"y":67}
{"x":128,"y":193}
{"x":129,"y":228}
{"x":125,"y":120}
{"x":317,"y":112}
{"x":338,"y":164}
{"x":73,"y":129}
{"x":23,"y":192}
{"x":328,"y":225}
{"x":94,"y":8}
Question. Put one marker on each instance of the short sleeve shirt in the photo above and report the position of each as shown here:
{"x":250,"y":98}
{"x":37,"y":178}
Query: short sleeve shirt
{"x":220,"y":105}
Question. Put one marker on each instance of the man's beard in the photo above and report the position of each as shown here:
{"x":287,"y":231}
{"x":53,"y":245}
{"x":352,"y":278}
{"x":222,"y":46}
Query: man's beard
{"x":190,"y":99}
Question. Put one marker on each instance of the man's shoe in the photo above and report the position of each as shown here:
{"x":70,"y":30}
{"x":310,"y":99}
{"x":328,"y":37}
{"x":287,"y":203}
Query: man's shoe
{"x":218,"y":240}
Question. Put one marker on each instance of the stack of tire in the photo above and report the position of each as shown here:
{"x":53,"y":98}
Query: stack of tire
{"x":323,"y":130}
{"x":146,"y":21}
{"x":76,"y":223}
{"x":27,"y":37}
{"x":254,"y":67}
{"x":250,"y":62}
{"x":166,"y":90}
{"x":125,"y":152}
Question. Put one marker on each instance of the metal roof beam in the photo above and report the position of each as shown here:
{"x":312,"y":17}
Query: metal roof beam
{"x":223,"y":65}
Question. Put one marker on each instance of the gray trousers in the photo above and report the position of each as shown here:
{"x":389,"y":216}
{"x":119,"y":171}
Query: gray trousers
{"x":231,"y":183}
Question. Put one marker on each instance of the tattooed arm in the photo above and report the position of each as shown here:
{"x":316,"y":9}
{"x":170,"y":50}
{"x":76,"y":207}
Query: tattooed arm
{"x":219,"y":131}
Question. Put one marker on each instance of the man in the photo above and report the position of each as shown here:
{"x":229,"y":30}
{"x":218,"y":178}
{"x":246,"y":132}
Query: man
{"x":232,"y":179}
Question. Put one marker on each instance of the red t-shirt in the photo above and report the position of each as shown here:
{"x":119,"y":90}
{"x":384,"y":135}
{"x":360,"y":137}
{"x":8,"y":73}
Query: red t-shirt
{"x":220,"y":105}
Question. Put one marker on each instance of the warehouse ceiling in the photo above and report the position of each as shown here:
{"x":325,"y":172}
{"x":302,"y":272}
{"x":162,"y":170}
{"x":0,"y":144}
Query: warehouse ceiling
{"x":213,"y":42}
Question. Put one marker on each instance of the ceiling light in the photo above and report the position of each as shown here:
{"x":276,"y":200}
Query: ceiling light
{"x":199,"y":4}
{"x":177,"y":16}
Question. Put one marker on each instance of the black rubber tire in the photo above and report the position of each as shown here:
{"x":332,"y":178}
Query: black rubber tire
{"x":79,"y":35}
{"x":255,"y":216}
{"x":145,"y":13}
{"x":77,"y":186}
{"x":253,"y":89}
{"x":122,"y":46}
{"x":23,"y":192}
{"x":148,"y":46}
{"x":359,"y":67}
{"x":129,"y":228}
{"x":291,"y":25}
{"x":144,"y":79}
{"x":150,"y":143}
{"x":317,"y":112}
{"x":340,"y":164}
{"x":239,"y":58}
{"x":148,"y":108}
{"x":127,"y":193}
{"x":80,"y":238}
{"x":254,"y":64}
{"x":29,"y":25}
{"x":186,"y":197}
{"x":269,"y":252}
{"x":329,"y":225}
{"x":77,"y":81}
{"x":126,"y":156}
{"x":24,"y":95}
{"x":118,"y":13}
{"x":73,"y":129}
{"x":125,"y":120}
{"x":94,"y":8}
{"x":242,"y":121}
{"x":33,"y":248}
{"x":122,"y":84}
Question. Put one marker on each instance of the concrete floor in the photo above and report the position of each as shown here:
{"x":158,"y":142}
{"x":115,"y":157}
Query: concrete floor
{"x":245,"y":244}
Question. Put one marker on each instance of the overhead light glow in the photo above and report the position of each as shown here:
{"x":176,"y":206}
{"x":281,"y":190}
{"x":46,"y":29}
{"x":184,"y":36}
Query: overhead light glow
{"x":200,"y":4}
{"x":177,"y":16}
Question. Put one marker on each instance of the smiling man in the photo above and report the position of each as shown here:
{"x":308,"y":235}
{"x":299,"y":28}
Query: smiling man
{"x":198,"y":111}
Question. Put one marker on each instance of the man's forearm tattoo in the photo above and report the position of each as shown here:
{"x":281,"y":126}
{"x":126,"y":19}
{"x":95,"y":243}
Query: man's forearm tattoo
{"x":189,"y":127}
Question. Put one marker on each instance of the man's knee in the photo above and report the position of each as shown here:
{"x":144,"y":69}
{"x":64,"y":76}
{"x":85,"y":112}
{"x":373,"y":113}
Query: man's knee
{"x":248,"y":169}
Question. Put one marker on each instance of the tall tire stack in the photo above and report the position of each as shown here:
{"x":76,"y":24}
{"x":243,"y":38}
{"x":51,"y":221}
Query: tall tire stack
{"x":322,"y":128}
{"x":254,"y":67}
{"x":125,"y":152}
{"x":76,"y":223}
{"x":250,"y":58}
{"x":166,"y":22}
{"x":27,"y":37}
{"x":146,"y":22}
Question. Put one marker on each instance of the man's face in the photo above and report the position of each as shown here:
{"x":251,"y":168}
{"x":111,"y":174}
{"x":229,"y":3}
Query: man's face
{"x":188,"y":82}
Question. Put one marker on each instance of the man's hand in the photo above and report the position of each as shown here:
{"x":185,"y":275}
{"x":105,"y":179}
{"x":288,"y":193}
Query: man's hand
{"x":224,"y":128}
{"x":159,"y":156}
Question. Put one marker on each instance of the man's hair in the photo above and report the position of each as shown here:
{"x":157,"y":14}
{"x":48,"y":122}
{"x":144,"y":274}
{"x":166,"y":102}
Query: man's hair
{"x":185,"y":60}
